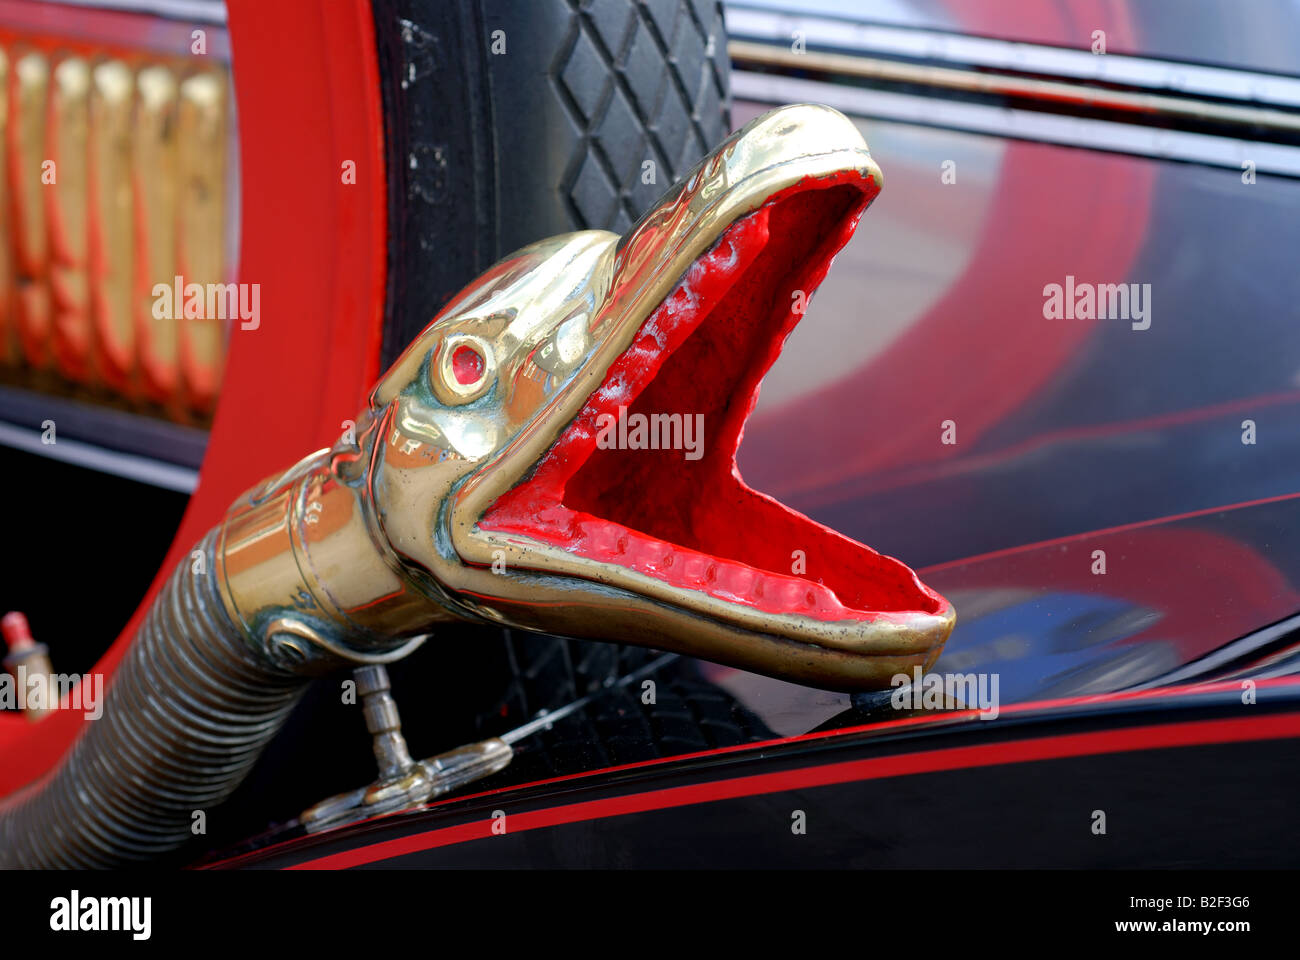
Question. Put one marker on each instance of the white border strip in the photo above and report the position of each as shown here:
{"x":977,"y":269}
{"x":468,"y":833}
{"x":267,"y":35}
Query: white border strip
{"x":997,"y":121}
{"x":1182,"y":78}
{"x":193,"y":11}
{"x":132,"y":467}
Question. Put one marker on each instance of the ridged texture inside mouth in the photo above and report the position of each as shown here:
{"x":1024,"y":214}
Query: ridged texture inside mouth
{"x":690,"y":521}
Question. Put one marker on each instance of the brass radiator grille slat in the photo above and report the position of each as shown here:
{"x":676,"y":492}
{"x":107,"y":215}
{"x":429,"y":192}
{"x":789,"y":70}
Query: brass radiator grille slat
{"x":115,"y":171}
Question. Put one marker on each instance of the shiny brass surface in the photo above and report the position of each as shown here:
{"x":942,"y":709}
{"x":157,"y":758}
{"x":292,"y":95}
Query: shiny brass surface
{"x":375,"y":541}
{"x":117,"y":167}
{"x":422,"y":782}
{"x":66,"y":210}
{"x":155,"y":157}
{"x":403,"y":783}
{"x":25,"y":143}
{"x":201,"y":233}
{"x":112,"y":224}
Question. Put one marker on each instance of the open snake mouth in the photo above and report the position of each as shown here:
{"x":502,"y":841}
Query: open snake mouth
{"x":644,"y":479}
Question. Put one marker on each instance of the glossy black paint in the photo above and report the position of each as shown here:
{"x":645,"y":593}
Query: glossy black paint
{"x":1096,"y":426}
{"x":1170,"y":807}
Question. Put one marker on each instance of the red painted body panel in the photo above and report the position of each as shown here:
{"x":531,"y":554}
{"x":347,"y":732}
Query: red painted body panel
{"x":306,"y":82}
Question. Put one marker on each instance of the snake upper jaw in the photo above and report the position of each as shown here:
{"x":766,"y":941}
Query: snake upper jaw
{"x":624,"y":515}
{"x":523,"y":458}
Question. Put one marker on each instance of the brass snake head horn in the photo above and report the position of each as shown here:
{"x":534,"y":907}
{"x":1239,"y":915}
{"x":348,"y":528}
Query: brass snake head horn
{"x":556,"y":451}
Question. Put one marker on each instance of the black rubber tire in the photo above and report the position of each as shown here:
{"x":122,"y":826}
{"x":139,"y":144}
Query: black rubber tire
{"x":488,"y":151}
{"x":544,"y":673}
{"x":508,"y":121}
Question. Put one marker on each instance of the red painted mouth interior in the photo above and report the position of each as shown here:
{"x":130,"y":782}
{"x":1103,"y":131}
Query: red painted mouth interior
{"x":694,"y":523}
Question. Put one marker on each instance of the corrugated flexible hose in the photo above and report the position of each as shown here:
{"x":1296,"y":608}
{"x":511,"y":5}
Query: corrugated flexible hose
{"x":186,"y":715}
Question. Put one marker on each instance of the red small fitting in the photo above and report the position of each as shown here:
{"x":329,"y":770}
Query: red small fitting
{"x":17,"y":633}
{"x":26,"y":658}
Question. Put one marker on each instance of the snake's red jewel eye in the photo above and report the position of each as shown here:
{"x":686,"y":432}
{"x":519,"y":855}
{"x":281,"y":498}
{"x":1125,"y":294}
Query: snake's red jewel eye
{"x":467,"y":365}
